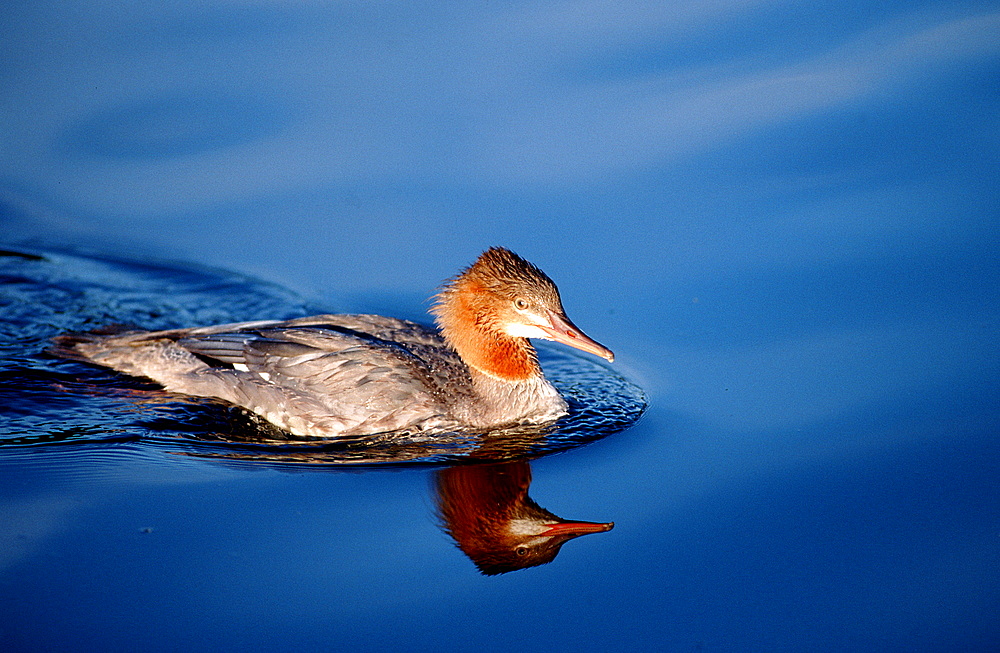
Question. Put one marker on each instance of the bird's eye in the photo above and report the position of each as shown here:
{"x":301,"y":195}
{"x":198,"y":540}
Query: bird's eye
{"x":520,"y":303}
{"x":522,"y":550}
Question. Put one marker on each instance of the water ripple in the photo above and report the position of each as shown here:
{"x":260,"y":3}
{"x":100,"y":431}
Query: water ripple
{"x":173,"y":126}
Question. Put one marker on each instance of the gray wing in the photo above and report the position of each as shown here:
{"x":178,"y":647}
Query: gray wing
{"x":326,"y":376}
{"x":376,"y":326}
{"x":329,"y":378}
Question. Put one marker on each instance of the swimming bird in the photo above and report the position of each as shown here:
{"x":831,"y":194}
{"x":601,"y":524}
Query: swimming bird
{"x":330,"y":376}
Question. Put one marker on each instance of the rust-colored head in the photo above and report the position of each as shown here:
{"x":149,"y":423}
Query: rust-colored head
{"x":489,"y":310}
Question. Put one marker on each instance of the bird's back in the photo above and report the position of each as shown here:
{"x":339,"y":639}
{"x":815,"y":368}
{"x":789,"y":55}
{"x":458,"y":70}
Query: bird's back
{"x":323,"y":376}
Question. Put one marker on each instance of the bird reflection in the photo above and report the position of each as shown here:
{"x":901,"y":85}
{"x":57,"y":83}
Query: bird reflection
{"x":487,"y":510}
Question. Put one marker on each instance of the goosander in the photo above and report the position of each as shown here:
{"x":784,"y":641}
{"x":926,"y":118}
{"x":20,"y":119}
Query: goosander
{"x":487,"y":511}
{"x":330,"y":376}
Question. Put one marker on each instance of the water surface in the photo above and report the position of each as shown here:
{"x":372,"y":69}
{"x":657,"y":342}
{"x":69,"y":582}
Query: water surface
{"x":781,"y":217}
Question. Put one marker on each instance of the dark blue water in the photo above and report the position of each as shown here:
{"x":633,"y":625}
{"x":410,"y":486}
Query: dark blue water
{"x":783,"y":218}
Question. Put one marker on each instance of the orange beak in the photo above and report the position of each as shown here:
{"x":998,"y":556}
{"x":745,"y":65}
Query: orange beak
{"x":564,"y":331}
{"x":576,"y":528}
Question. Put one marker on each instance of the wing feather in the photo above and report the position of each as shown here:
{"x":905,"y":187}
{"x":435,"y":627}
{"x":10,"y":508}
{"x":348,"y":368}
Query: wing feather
{"x":325,"y":375}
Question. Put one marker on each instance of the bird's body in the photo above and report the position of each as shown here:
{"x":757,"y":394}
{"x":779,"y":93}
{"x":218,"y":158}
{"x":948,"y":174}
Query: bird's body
{"x":345,"y":375}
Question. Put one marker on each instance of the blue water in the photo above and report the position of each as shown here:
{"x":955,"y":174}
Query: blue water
{"x":782,"y":217}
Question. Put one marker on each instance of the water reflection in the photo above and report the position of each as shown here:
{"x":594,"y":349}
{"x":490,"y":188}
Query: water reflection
{"x":224,"y":433}
{"x":49,"y":404}
{"x":487,"y":510}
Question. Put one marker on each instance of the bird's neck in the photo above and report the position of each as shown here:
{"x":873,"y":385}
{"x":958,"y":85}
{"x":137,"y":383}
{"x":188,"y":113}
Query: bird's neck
{"x":482,"y":346}
{"x":497,"y":355}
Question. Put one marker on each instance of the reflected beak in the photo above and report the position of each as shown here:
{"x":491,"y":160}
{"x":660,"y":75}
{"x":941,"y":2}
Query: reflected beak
{"x":564,"y":331}
{"x":576,"y":528}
